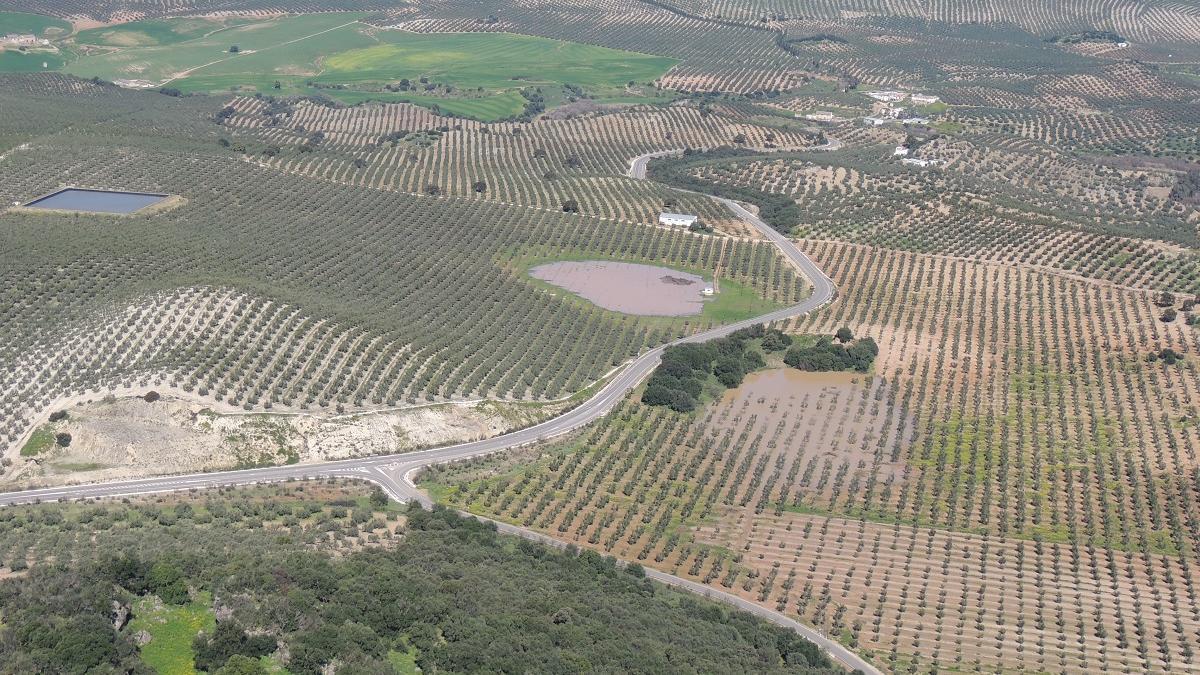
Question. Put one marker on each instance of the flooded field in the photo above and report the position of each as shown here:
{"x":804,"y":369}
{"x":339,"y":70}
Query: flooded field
{"x":816,"y":437}
{"x":834,"y":420}
{"x":96,"y":201}
{"x":629,"y":288}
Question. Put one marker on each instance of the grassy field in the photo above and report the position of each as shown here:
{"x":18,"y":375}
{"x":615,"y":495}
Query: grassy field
{"x":12,"y":61}
{"x":267,"y":50}
{"x":172,"y":630}
{"x":472,"y":75}
{"x":486,"y":107}
{"x":404,"y":663}
{"x":492,"y":61}
{"x":40,"y":441}
{"x":736,"y":302}
{"x":156,"y":32}
{"x":42,"y":26}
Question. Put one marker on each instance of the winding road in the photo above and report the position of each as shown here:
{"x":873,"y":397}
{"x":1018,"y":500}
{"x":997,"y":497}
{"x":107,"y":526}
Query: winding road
{"x":394,"y":473}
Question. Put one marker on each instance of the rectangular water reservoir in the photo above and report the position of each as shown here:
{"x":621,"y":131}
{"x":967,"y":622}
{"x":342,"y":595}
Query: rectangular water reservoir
{"x":96,"y":201}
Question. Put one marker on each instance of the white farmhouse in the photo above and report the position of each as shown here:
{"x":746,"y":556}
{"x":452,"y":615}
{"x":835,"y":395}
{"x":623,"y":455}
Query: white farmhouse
{"x":900,"y":151}
{"x":676,"y":219}
{"x":821,"y":116}
{"x":888,"y":96}
{"x":925,"y":99}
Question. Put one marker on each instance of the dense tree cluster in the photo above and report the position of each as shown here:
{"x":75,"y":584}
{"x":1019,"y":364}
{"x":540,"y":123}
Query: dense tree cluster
{"x":826,"y":354}
{"x":679,"y":380}
{"x":1169,"y":356}
{"x":1086,"y":36}
{"x":1187,"y":188}
{"x":63,"y":626}
{"x":451,"y":593}
{"x":535,"y":104}
{"x":229,"y":639}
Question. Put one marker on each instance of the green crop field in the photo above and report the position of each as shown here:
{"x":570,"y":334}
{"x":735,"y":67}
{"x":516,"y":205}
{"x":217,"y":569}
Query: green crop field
{"x":485,"y":107}
{"x":12,"y":61}
{"x":471,"y":75}
{"x":42,"y":26}
{"x":266,"y":49}
{"x":492,"y":61}
{"x":155,"y":32}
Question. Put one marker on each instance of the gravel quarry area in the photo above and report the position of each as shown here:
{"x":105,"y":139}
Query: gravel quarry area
{"x":629,"y":288}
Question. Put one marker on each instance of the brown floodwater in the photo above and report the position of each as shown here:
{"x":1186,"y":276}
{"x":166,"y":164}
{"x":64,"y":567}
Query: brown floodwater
{"x":789,"y":383}
{"x":843,"y":417}
{"x":630,"y":288}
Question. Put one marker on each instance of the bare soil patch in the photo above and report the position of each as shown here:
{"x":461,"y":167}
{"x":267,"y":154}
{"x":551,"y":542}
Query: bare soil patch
{"x":129,"y":437}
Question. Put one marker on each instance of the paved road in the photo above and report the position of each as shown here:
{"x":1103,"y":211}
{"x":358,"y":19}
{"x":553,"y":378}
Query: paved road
{"x":394,"y":473}
{"x":637,"y":166}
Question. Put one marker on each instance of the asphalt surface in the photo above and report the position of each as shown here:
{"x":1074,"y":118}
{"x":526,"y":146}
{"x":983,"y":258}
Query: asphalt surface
{"x":394,"y":473}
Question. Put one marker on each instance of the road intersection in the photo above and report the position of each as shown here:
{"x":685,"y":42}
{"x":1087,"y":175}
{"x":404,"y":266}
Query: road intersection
{"x":395,"y":474}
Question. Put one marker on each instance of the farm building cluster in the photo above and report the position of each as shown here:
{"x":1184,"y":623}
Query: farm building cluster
{"x":901,"y":96}
{"x":20,"y":40}
{"x":884,"y":110}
